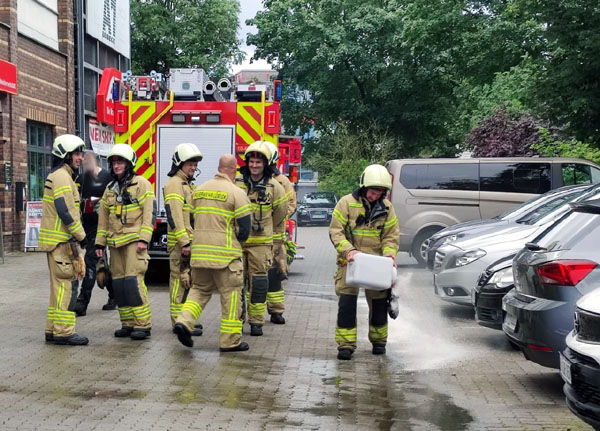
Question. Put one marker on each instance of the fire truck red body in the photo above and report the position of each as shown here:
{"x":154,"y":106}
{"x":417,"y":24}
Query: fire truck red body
{"x":154,"y":114}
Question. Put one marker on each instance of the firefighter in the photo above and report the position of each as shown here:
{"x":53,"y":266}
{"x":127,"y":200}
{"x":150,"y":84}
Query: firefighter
{"x":279,"y":268}
{"x":269,"y":208}
{"x":125,"y":223}
{"x":221,"y":222}
{"x":363,"y":221}
{"x":178,"y":204}
{"x":60,"y":227}
{"x":95,"y":179}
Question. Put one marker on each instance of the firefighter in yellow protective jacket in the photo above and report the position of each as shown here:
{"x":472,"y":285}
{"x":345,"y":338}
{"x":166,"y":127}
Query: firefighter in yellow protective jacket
{"x":269,"y":208}
{"x":363,"y":221}
{"x":279,"y":268}
{"x":60,"y":227}
{"x":178,"y":205}
{"x":125,"y":223}
{"x":221,"y":222}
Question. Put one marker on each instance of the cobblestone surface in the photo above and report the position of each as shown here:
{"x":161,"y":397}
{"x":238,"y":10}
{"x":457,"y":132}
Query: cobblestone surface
{"x":442,"y":370}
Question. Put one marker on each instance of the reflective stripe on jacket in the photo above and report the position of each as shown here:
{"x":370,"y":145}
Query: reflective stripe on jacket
{"x":217,"y":204}
{"x":178,"y":198}
{"x":268,"y":212}
{"x":53,"y":231}
{"x":380,"y":236}
{"x":120,"y":221}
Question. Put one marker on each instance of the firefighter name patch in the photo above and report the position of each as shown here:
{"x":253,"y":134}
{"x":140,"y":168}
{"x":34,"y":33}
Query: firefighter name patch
{"x":210,"y":194}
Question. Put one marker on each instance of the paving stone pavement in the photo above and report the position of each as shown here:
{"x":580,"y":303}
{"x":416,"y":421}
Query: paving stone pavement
{"x":442,"y":370}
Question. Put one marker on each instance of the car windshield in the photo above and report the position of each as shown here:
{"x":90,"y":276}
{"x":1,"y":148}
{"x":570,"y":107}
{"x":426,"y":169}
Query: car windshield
{"x":576,"y":226}
{"x":555,"y":205}
{"x":320,"y":200}
{"x":538,"y":201}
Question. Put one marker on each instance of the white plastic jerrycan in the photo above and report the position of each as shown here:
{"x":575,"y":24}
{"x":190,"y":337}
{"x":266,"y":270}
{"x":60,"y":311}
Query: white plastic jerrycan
{"x":370,"y":272}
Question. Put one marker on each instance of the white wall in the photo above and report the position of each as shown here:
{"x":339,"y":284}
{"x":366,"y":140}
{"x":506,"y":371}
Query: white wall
{"x":38,"y":19}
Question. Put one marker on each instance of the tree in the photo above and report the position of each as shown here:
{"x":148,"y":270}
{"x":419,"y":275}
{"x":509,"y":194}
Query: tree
{"x":344,"y":154}
{"x":407,"y":65}
{"x":505,"y":135}
{"x":184,"y":33}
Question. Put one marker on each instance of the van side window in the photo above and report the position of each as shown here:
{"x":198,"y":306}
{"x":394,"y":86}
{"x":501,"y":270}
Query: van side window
{"x":575,"y":173}
{"x":447,"y":176}
{"x":515,"y":177}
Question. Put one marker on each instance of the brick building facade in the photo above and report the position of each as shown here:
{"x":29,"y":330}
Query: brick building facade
{"x":44,"y":107}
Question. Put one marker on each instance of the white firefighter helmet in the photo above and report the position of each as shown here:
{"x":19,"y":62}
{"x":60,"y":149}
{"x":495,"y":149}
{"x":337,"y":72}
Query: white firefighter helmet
{"x":185,"y":152}
{"x":258,"y":149}
{"x":274,"y":152}
{"x":123,"y":151}
{"x":65,"y":144}
{"x":376,"y":176}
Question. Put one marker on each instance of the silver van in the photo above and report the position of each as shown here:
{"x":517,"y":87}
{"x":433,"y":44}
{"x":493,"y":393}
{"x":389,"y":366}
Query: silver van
{"x":431,"y":194}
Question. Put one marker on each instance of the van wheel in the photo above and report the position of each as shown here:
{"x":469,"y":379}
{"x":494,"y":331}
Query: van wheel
{"x":421,"y":244}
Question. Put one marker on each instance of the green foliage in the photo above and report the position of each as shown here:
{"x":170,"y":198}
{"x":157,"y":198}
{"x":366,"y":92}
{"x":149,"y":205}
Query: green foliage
{"x":432,"y":71}
{"x":344,"y":154}
{"x":184,"y":33}
{"x":551,"y":146}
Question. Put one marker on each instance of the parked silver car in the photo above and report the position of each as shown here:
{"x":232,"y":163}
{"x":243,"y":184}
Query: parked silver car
{"x":550,"y":275}
{"x":580,"y":361}
{"x":458,"y":265}
{"x":477,"y":227}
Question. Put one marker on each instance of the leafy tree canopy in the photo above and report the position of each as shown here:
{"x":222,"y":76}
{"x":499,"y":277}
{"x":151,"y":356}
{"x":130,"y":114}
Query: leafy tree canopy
{"x":184,"y":33}
{"x":392,"y":62}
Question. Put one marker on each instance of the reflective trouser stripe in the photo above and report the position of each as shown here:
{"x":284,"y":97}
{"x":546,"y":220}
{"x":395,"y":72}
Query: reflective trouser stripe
{"x":257,"y":309}
{"x":345,"y":335}
{"x":59,"y":320}
{"x":231,"y":326}
{"x":275,"y":297}
{"x":193,"y":308}
{"x":378,"y":333}
{"x":61,"y":317}
{"x":125,"y":313}
{"x":141,"y":312}
{"x":174,"y":306}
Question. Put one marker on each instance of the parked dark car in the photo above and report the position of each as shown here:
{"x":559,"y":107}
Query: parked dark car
{"x":551,"y":274}
{"x":316,"y":208}
{"x":494,"y":283}
{"x":580,"y":361}
{"x":545,"y":202}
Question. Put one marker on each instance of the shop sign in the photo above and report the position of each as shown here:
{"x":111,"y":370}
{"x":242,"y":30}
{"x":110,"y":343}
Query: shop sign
{"x":8,"y":77}
{"x":102,"y":137}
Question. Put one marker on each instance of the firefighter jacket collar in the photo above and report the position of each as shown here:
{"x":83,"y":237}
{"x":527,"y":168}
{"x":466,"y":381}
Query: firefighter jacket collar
{"x":183,"y":176}
{"x":224,"y":176}
{"x":72,"y":173}
{"x":372,"y":210}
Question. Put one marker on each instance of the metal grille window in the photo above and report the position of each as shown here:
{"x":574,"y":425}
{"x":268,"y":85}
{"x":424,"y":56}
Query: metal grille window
{"x":39,"y":145}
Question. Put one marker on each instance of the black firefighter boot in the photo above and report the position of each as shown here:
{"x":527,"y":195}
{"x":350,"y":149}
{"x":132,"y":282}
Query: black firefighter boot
{"x":72,"y":340}
{"x":110,"y":305}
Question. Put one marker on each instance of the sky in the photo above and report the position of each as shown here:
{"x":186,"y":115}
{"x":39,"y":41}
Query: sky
{"x":248,"y":9}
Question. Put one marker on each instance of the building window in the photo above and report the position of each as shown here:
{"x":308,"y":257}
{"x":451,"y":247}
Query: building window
{"x":90,"y":88}
{"x":39,"y":145}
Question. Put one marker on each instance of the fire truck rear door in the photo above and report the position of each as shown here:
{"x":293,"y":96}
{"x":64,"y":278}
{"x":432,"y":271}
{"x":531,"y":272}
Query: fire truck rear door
{"x":213,"y":141}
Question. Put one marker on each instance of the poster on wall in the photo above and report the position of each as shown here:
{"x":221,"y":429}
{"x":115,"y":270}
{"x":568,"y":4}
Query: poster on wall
{"x":32,"y":224}
{"x":108,"y":21}
{"x":102,"y":137}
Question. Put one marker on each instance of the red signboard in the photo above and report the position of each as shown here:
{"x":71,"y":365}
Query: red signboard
{"x":105,"y":99}
{"x":8,"y":77}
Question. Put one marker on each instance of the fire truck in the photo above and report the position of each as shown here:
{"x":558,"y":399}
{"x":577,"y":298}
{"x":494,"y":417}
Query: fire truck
{"x":155,"y":113}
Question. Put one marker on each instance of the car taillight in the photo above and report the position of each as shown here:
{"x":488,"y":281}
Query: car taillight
{"x":565,"y":272}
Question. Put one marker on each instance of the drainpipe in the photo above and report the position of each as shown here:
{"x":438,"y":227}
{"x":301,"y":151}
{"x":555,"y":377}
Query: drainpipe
{"x":79,"y":100}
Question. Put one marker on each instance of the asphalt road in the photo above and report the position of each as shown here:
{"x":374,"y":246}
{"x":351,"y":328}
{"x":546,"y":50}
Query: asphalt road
{"x":442,"y":371}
